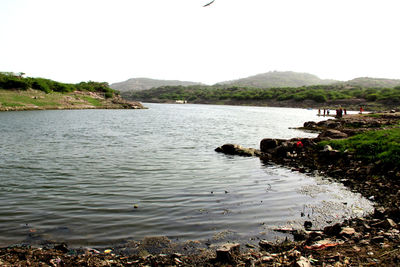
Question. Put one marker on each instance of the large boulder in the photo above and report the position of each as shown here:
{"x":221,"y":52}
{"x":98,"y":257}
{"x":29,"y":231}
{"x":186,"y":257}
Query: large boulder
{"x":234,"y":149}
{"x":228,"y":252}
{"x":268,"y":144}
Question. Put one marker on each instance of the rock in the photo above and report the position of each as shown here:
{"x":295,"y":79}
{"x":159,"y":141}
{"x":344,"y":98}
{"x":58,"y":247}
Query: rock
{"x":315,"y":235}
{"x":233,"y":149}
{"x":266,"y":245}
{"x":333,"y":124}
{"x":333,"y":230}
{"x":268,"y":143}
{"x":310,"y":124}
{"x":300,"y":235}
{"x":327,"y":148}
{"x":332,"y":134}
{"x":385,"y":224}
{"x":250,"y":245}
{"x":378,"y":239}
{"x":347,"y":231}
{"x":303,"y":262}
{"x":328,"y":153}
{"x":307,"y":224}
{"x":227,"y":149}
{"x":267,"y":259}
{"x":295,"y":254}
{"x":62,"y":247}
{"x":227,"y":252}
{"x":281,"y":151}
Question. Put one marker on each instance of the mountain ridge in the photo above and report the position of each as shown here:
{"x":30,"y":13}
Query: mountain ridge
{"x":279,"y":79}
{"x":137,"y":84}
{"x":272,"y":79}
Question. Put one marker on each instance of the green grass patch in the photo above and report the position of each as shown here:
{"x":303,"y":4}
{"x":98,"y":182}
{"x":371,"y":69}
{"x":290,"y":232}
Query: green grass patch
{"x":28,"y":98}
{"x":380,"y":145}
{"x":95,"y":102}
{"x":9,"y":104}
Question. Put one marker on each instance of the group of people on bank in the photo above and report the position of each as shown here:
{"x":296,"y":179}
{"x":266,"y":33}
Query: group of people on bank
{"x":339,"y":112}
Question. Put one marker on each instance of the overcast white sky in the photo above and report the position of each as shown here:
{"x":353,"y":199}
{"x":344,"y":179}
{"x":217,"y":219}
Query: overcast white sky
{"x":114,"y":40}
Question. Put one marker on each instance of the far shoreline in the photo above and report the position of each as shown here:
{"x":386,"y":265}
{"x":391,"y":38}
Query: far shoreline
{"x":307,"y":104}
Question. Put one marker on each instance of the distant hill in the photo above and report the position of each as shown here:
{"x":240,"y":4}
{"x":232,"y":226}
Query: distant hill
{"x":279,"y":79}
{"x":138,"y":84}
{"x":273,"y":79}
{"x":367,"y":82}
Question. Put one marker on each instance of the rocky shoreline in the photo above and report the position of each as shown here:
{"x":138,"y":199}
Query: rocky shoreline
{"x":69,"y":101}
{"x":373,"y":240}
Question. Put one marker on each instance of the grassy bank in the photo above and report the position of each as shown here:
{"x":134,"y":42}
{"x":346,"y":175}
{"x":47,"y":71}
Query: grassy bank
{"x":38,"y":100}
{"x":380,"y":146}
{"x":27,"y":93}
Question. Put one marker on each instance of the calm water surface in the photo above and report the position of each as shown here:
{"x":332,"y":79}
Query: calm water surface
{"x":77,"y":175}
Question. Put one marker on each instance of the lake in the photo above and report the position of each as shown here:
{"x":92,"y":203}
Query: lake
{"x":99,"y":177}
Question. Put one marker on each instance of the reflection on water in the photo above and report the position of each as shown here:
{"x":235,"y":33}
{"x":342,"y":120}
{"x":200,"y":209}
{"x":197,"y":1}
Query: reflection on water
{"x":100,"y":176}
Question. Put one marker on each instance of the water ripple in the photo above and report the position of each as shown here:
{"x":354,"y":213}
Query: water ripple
{"x":99,"y":176}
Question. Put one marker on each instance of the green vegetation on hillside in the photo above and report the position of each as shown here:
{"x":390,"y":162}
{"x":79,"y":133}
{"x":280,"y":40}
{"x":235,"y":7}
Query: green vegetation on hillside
{"x":317,"y":93}
{"x":20,"y":93}
{"x":275,"y":79}
{"x":11,"y":81}
{"x":138,"y":84}
{"x":373,"y":146}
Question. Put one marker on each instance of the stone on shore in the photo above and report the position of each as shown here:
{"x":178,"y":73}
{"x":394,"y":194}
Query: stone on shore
{"x":228,"y":252}
{"x":332,"y":134}
{"x":303,"y":262}
{"x":268,"y":143}
{"x":347,"y":231}
{"x":233,"y":149}
{"x":266,"y":245}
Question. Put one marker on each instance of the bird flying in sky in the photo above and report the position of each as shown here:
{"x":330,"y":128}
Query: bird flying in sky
{"x":209,"y":3}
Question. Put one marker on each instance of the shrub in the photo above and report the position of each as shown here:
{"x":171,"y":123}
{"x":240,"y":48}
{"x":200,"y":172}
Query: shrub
{"x":41,"y":84}
{"x":371,"y":97}
{"x":13,"y":82}
{"x":108,"y":95}
{"x":319,"y":98}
